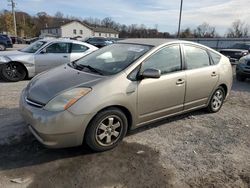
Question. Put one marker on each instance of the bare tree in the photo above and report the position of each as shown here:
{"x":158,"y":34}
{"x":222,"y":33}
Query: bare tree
{"x":238,"y":30}
{"x":205,"y":30}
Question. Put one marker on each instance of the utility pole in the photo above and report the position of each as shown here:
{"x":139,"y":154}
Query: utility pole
{"x":13,"y":5}
{"x":179,"y":27}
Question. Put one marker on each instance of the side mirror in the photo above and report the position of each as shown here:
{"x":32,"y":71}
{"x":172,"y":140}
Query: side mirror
{"x":151,"y":73}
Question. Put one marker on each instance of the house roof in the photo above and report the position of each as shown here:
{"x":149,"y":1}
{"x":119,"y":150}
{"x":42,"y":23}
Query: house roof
{"x":103,"y":30}
{"x":95,"y":29}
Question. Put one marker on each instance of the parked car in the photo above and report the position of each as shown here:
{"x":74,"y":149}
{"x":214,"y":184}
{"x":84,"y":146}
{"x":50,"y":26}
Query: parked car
{"x":99,"y":41}
{"x":235,"y":52}
{"x":243,"y":69}
{"x":17,"y":40}
{"x":121,"y":87}
{"x":5,"y":42}
{"x":41,"y":56}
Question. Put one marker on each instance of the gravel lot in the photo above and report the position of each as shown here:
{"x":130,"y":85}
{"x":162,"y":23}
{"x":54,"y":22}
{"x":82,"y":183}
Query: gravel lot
{"x":193,"y":150}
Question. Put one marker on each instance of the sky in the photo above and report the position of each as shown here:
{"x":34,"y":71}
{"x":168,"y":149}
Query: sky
{"x":161,"y":13}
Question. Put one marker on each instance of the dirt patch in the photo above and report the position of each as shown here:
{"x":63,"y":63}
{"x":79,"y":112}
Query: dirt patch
{"x":124,"y":166}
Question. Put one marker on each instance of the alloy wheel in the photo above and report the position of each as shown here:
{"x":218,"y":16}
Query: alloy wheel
{"x":217,"y":100}
{"x":109,"y":130}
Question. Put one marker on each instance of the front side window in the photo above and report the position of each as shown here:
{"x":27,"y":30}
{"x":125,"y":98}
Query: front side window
{"x":166,"y":60}
{"x":74,"y":31}
{"x":58,"y":48}
{"x":78,"y":48}
{"x":113,"y":58}
{"x":196,"y":57}
{"x":32,"y":48}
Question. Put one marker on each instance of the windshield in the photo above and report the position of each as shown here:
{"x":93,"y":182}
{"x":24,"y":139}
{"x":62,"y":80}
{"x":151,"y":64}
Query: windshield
{"x":114,"y":58}
{"x":32,"y":48}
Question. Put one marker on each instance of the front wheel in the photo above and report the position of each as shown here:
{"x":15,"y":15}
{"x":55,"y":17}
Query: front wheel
{"x":106,"y":130}
{"x":12,"y":72}
{"x":216,"y":100}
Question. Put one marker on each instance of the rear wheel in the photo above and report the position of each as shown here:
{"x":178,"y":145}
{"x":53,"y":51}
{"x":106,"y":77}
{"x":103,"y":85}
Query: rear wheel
{"x":106,"y":130}
{"x":240,"y":78}
{"x":2,"y":47}
{"x":216,"y":100}
{"x":12,"y":72}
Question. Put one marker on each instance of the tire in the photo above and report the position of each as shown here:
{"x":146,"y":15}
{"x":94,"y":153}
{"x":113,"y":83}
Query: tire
{"x":106,"y":130}
{"x":12,"y":72}
{"x":216,"y":100}
{"x":2,"y":47}
{"x":240,"y":78}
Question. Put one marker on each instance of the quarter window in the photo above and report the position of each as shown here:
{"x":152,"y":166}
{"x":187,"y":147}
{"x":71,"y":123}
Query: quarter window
{"x":215,"y":57}
{"x":78,"y":48}
{"x":166,"y":60}
{"x":196,"y":57}
{"x":81,"y":32}
{"x":58,"y":48}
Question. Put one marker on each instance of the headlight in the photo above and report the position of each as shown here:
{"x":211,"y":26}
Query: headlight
{"x":4,"y":59}
{"x":67,"y":99}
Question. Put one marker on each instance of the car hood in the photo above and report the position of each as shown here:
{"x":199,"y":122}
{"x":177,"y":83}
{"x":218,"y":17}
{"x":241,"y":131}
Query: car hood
{"x":47,"y":85}
{"x":26,"y":58}
{"x":233,"y":50}
{"x":12,"y":53}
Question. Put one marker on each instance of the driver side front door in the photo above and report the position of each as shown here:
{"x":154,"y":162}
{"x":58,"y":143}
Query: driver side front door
{"x":51,"y":56}
{"x":163,"y":96}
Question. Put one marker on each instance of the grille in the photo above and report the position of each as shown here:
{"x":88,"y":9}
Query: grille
{"x":248,"y":63}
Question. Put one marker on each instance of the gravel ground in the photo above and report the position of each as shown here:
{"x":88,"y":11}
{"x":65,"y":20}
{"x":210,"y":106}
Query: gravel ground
{"x":192,"y":150}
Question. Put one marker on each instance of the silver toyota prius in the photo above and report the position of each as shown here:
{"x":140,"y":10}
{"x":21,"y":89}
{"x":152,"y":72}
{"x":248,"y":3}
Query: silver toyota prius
{"x":100,"y":97}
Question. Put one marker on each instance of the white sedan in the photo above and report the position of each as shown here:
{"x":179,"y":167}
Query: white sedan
{"x":40,"y":56}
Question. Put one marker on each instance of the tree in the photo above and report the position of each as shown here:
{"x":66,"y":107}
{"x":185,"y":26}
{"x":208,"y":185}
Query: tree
{"x":205,"y":30}
{"x":238,"y":30}
{"x":186,"y":33}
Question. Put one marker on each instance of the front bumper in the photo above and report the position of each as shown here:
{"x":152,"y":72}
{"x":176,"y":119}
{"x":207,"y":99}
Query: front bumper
{"x":243,"y":71}
{"x":54,"y":129}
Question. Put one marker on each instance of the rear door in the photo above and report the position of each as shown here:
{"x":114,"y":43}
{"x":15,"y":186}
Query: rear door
{"x":55,"y":54}
{"x":201,"y":76}
{"x":163,"y":96}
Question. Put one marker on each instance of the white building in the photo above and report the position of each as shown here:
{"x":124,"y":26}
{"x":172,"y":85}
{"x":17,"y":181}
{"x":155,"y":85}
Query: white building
{"x":76,"y":29}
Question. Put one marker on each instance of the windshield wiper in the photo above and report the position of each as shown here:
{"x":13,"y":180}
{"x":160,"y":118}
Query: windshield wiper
{"x":80,"y":67}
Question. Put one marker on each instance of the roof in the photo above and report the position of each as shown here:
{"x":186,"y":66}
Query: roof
{"x":147,"y":41}
{"x":95,"y":29}
{"x":103,"y":30}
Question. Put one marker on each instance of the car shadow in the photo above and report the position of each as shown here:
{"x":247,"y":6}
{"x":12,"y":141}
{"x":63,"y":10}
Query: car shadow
{"x":27,"y":151}
{"x":127,"y":165}
{"x":241,"y":86}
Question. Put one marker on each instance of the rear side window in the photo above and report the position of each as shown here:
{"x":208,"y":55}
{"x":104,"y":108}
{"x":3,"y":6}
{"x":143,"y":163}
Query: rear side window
{"x":215,"y":57}
{"x":196,"y":57}
{"x":76,"y":48}
{"x":167,"y":60}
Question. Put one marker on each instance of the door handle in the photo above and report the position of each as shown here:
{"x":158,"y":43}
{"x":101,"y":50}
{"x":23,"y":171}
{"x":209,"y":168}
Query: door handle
{"x":180,"y":82}
{"x":213,"y":74}
{"x":65,"y":56}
